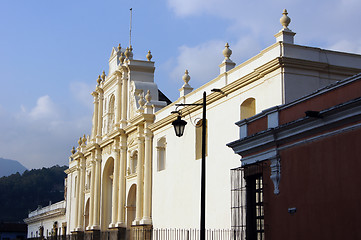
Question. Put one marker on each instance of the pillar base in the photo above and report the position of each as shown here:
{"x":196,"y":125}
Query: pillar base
{"x":112,"y":225}
{"x":79,"y":229}
{"x":120,"y":225}
{"x":95,"y":227}
{"x":146,"y":221}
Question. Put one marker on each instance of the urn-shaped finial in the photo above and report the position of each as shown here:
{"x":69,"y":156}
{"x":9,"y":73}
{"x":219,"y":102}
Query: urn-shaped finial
{"x":186,"y":77}
{"x":121,"y":57}
{"x":73,"y":150}
{"x":148,"y":97}
{"x":130,"y":52}
{"x":103,"y":76}
{"x":285,"y":20}
{"x":84,"y":139}
{"x":99,"y":80}
{"x":141,"y":100}
{"x":80,"y":141}
{"x":149,"y":55}
{"x":119,"y":47}
{"x":127,"y":53}
{"x":226,"y":51}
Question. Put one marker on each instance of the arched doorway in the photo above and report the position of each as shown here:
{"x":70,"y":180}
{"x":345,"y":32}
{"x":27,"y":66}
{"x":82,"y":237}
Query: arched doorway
{"x":131,"y":205}
{"x":107,"y":192}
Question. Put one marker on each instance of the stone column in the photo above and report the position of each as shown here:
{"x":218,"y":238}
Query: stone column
{"x":139,"y":200}
{"x":95,"y":116}
{"x":97,"y":192}
{"x":124,"y":99}
{"x":122,"y":174}
{"x":77,"y":180}
{"x":119,"y":102}
{"x":147,"y":178}
{"x":115,"y":203}
{"x":81,"y":195}
{"x":100,"y":115}
{"x":92,"y":190}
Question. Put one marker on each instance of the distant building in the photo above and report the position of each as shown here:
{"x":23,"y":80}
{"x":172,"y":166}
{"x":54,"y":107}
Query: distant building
{"x":133,"y":172}
{"x":299,"y":177}
{"x":12,"y":231}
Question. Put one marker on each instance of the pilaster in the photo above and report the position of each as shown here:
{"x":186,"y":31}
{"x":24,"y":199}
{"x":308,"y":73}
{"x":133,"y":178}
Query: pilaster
{"x":96,"y":222}
{"x":100,"y":114}
{"x":139,"y":200}
{"x":95,"y":116}
{"x":147,"y":177}
{"x":124,"y":98}
{"x":115,"y":194}
{"x":122,"y":174}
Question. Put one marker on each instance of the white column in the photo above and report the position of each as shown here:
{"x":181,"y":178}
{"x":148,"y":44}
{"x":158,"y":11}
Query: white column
{"x":95,"y":116}
{"x":123,"y":163}
{"x":77,"y":183}
{"x":115,"y":185}
{"x":92,"y":190}
{"x":119,"y":102}
{"x":100,"y":115}
{"x":147,"y":178}
{"x":139,"y":200}
{"x":124,"y":99}
{"x":97,"y":191}
{"x":81,"y":195}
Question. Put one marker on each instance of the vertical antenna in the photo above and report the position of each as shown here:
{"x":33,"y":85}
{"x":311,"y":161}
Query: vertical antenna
{"x":130,"y":28}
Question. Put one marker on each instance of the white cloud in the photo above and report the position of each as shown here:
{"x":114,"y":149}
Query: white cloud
{"x":42,"y":136}
{"x":81,"y":92}
{"x":44,"y":109}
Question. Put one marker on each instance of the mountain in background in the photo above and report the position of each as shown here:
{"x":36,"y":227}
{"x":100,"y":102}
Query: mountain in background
{"x":8,"y":167}
{"x":21,"y":193}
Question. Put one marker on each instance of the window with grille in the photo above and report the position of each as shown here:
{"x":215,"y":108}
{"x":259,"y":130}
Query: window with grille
{"x":254,"y":207}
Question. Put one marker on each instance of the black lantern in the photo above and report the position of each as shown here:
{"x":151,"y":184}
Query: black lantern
{"x":179,"y":126}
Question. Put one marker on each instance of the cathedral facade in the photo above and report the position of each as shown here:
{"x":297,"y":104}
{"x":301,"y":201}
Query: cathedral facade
{"x":133,"y":171}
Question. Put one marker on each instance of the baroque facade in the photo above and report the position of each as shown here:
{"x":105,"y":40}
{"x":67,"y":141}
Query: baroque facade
{"x":132,"y":171}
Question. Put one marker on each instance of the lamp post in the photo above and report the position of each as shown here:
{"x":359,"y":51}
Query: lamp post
{"x":179,"y":126}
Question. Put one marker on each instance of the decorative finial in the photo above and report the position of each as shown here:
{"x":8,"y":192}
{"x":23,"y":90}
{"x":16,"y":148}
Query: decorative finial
{"x":119,"y":47}
{"x":227,"y":52}
{"x":99,"y":80}
{"x":73,"y":150}
{"x":121,"y":57}
{"x":285,"y":20}
{"x":130,"y":52}
{"x":148,"y":97}
{"x":80,"y":141}
{"x":186,"y":77}
{"x":141,"y":99}
{"x":127,"y":53}
{"x":84,"y":139}
{"x":103,"y":76}
{"x":149,"y":56}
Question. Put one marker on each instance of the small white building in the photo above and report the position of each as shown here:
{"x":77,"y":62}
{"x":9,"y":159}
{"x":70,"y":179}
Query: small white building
{"x":132,"y":171}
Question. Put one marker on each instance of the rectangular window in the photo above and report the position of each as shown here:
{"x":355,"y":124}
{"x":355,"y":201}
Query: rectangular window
{"x":255,"y":210}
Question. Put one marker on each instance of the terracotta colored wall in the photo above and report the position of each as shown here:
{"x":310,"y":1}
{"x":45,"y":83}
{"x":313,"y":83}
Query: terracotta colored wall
{"x":323,"y":181}
{"x":321,"y":102}
{"x":257,"y":126}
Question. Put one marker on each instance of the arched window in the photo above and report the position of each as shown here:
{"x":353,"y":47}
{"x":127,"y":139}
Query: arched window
{"x":248,"y":108}
{"x":161,"y":152}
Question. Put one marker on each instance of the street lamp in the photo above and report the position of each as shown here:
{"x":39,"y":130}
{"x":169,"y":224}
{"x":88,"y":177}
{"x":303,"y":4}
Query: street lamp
{"x":179,"y":126}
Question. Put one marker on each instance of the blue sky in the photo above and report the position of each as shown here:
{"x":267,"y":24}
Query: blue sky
{"x":51,"y":53}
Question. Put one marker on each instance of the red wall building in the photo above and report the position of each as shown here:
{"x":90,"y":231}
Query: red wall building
{"x":301,"y":167}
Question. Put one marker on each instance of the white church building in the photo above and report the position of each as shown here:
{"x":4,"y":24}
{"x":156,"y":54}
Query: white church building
{"x":134,"y":172}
